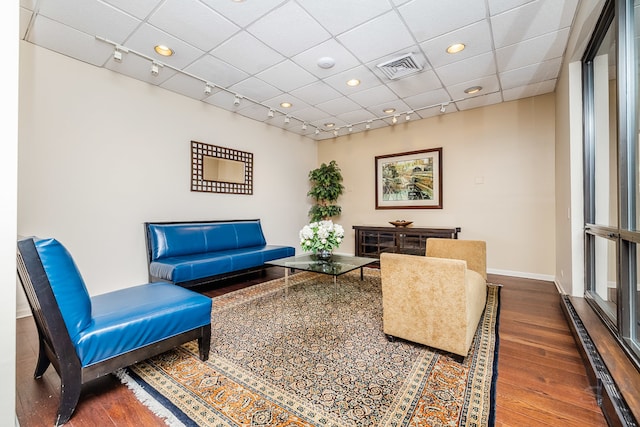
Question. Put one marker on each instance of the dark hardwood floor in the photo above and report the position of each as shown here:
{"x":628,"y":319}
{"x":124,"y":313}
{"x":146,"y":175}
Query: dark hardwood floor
{"x":541,"y":378}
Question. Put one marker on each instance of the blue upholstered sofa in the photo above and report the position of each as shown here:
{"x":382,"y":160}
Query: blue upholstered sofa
{"x":194,"y":253}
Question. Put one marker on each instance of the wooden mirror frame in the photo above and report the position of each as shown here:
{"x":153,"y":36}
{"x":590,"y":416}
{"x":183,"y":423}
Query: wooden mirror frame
{"x":200,"y":150}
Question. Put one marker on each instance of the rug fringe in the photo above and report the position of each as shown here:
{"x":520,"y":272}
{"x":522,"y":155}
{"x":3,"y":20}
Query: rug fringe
{"x":147,"y":400}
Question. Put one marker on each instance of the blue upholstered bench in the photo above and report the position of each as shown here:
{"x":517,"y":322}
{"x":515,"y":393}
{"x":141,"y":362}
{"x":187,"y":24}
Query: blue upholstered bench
{"x":195,"y":253}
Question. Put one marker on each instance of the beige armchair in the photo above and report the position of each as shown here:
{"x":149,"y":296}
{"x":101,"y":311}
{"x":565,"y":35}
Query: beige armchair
{"x":435,"y":300}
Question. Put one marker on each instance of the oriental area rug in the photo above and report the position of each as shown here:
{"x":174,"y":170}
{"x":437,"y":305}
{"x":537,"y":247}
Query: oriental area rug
{"x":316,"y":355}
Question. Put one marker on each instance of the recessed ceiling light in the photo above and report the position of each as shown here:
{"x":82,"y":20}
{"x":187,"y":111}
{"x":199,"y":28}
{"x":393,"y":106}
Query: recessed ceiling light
{"x":163,"y":50}
{"x":329,"y":125}
{"x":473,"y":89}
{"x":455,"y":48}
{"x":353,"y":82}
{"x":286,"y":104}
{"x":389,"y":110}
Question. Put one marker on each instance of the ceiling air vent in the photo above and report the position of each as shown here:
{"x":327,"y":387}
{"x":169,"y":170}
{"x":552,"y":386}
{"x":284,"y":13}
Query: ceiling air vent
{"x":400,"y":66}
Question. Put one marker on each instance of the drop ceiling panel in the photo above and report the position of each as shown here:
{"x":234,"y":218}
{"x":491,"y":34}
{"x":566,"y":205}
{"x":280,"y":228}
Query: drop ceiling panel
{"x":425,"y":99}
{"x":338,"y":16}
{"x":529,"y":90}
{"x":148,"y":36}
{"x":458,"y":72}
{"x":374,"y":95}
{"x":255,"y":88}
{"x":377,"y":38}
{"x":344,"y":60}
{"x":258,"y":58}
{"x":532,"y":20}
{"x":362,"y":73}
{"x":188,"y":86}
{"x":417,"y":83}
{"x":287,"y":76}
{"x":338,"y":106}
{"x":432,"y":18}
{"x":68,"y":41}
{"x":243,"y":13}
{"x":289,"y":30}
{"x":91,"y":16}
{"x":499,"y":6}
{"x":489,"y":84}
{"x":193,"y":22}
{"x":316,"y":92}
{"x":534,"y":50}
{"x":476,"y":37}
{"x":479,"y":101}
{"x":540,"y":72}
{"x":216,"y":71}
{"x":139,"y":8}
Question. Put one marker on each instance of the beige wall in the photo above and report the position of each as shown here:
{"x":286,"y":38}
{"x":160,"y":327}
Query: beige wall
{"x":101,"y":153}
{"x":498,"y":166}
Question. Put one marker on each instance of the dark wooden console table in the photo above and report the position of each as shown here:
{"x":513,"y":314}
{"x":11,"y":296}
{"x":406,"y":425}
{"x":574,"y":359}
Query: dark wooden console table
{"x":371,"y":241}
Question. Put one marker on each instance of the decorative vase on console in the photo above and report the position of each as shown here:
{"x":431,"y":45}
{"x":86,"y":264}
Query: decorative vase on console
{"x":321,"y":237}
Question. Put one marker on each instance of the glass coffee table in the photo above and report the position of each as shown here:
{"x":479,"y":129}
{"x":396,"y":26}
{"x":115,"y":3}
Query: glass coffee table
{"x":337,"y":266}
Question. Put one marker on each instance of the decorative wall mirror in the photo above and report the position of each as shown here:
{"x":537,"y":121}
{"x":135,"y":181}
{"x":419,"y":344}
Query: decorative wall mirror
{"x":220,"y":170}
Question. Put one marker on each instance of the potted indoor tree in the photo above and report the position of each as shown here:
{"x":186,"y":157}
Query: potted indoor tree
{"x":326,"y":187}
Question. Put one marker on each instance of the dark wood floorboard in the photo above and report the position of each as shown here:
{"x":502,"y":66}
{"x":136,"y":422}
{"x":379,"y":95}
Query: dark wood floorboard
{"x":541,"y":378}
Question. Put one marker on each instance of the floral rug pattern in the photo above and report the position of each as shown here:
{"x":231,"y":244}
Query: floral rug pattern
{"x":316,"y":356}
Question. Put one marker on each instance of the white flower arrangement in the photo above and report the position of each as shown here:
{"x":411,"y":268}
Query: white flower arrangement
{"x":321,"y":236}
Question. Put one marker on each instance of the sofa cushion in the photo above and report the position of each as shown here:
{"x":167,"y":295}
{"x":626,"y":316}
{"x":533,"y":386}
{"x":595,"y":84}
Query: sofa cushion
{"x":67,"y":285}
{"x":173,"y":240}
{"x":192,"y":267}
{"x":132,"y":318}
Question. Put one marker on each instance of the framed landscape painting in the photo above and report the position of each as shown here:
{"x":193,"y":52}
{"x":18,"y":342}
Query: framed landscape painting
{"x":411,"y":180}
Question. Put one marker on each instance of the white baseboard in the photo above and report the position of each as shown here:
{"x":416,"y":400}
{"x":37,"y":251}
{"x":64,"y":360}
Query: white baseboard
{"x":535,"y":276}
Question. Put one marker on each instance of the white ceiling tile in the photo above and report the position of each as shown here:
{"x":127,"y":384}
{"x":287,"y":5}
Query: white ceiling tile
{"x":296,"y":103}
{"x":532,"y":74}
{"x":427,"y":99}
{"x":312,"y":114}
{"x":339,"y":15}
{"x":315,"y":93}
{"x":287,"y":76}
{"x":362,"y":73}
{"x":223,"y":100}
{"x":28,"y":4}
{"x":374,"y":95}
{"x":476,"y":37}
{"x":193,"y":22}
{"x":356,"y":116}
{"x":479,"y":101}
{"x":424,"y":81}
{"x":531,"y":20}
{"x":139,"y":8}
{"x":258,"y":58}
{"x":531,"y":51}
{"x":529,"y":90}
{"x":489,"y":84}
{"x":289,"y":30}
{"x":256,"y":89}
{"x":147,"y":37}
{"x":499,"y":6}
{"x":216,"y":71}
{"x":378,"y":109}
{"x":458,"y":72}
{"x":377,"y":38}
{"x":431,"y":18}
{"x":338,"y":106}
{"x":92,"y":17}
{"x":308,"y":59}
{"x":243,"y":13}
{"x":68,"y":41}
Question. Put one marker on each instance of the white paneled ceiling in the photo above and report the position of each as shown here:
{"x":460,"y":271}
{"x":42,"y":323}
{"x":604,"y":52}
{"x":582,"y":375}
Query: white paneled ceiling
{"x":258,"y":54}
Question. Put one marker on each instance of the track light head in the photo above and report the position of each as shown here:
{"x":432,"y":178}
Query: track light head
{"x":271,"y":113}
{"x":287,"y":119}
{"x":394,"y":120}
{"x":304,"y":126}
{"x":443,"y":108}
{"x":207,"y":89}
{"x":117,"y":55}
{"x":236,"y":100}
{"x":155,"y":69}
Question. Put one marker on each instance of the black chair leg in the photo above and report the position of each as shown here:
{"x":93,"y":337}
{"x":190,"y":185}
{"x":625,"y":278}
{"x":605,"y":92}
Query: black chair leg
{"x":69,"y":396}
{"x":43,"y":361}
{"x":204,"y":343}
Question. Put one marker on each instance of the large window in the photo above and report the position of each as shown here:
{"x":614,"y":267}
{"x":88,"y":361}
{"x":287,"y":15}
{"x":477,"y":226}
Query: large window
{"x":612,"y":175}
